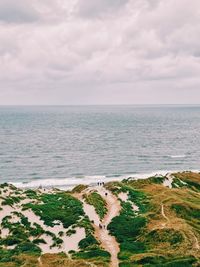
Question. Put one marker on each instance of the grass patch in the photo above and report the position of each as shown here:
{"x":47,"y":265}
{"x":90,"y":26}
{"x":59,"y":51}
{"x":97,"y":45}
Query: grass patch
{"x":127,"y":228}
{"x":11,"y":200}
{"x":79,"y":188}
{"x":57,"y":207}
{"x":173,"y":237}
{"x":186,"y":212}
{"x":159,"y":261}
{"x":88,"y":242}
{"x":98,"y":202}
{"x":95,"y":254}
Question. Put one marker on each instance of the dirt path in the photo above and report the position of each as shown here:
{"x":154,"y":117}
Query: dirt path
{"x":108,"y":242}
{"x":163,"y":213}
{"x":196,"y":242}
{"x":40,"y":261}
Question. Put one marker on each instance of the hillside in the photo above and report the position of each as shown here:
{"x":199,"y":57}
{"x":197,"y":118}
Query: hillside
{"x":147,"y":222}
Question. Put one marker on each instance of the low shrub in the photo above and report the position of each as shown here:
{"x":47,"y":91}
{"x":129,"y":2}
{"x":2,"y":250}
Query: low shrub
{"x":27,"y":247}
{"x":88,"y":242}
{"x":58,"y":207}
{"x":126,"y":228}
{"x":98,"y":202}
{"x":186,"y":212}
{"x":79,"y":188}
{"x":96,"y":253}
{"x":165,"y":235}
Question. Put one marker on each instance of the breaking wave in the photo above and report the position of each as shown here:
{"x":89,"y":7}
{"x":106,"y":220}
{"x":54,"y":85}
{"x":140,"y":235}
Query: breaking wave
{"x":69,"y":183}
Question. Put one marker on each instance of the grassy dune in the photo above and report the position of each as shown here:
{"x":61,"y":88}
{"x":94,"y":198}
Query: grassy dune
{"x":98,"y":202}
{"x":166,"y":231}
{"x":157,"y":225}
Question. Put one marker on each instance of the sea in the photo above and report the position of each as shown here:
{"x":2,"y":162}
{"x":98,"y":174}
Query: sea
{"x":62,"y":146}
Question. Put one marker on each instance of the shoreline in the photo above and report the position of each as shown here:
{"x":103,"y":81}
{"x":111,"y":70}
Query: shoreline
{"x":70,"y":183}
{"x":87,"y":223}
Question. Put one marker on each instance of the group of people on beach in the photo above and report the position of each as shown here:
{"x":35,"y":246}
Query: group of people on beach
{"x":100,"y":183}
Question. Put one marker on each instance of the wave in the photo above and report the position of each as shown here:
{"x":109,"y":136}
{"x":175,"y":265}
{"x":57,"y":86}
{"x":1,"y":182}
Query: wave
{"x":59,"y":183}
{"x":177,"y":156}
{"x":70,"y":182}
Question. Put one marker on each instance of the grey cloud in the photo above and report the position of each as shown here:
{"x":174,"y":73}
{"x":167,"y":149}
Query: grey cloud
{"x":123,"y":51}
{"x":93,"y":8}
{"x":17,"y":11}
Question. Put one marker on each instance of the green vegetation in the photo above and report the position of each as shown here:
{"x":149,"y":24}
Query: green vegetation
{"x":171,"y":236}
{"x":11,"y":200}
{"x":187,"y":179}
{"x":31,"y":194}
{"x":4,"y":185}
{"x":98,"y":202}
{"x":39,"y":241}
{"x":85,"y":223}
{"x":97,"y":254}
{"x":186,"y":212}
{"x":19,"y":234}
{"x":52,"y":208}
{"x":165,"y":231}
{"x":127,"y":228}
{"x":79,"y":188}
{"x":57,"y":207}
{"x":27,"y":247}
{"x":136,"y":196}
{"x":129,"y":225}
{"x":23,"y":248}
{"x":132,"y":229}
{"x":148,"y":238}
{"x":88,"y":242}
{"x":158,"y":261}
{"x":56,"y":242}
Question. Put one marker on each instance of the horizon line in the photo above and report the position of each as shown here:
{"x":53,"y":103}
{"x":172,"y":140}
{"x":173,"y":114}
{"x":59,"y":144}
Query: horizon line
{"x":71,"y":105}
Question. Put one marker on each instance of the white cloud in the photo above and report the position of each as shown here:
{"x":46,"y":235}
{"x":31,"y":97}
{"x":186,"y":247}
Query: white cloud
{"x":99,"y":51}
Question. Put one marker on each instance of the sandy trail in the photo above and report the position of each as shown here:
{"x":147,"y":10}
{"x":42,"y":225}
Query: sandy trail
{"x":196,"y":242}
{"x":108,"y":242}
{"x":163,"y":213}
{"x":40,"y":261}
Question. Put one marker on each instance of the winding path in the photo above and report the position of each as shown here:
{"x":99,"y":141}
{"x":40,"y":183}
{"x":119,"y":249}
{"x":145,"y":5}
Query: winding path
{"x":40,"y":261}
{"x":196,"y":242}
{"x":108,"y":242}
{"x":163,"y":213}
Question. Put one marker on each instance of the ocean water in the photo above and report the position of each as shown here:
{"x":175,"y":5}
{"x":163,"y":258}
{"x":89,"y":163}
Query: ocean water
{"x":67,"y":145}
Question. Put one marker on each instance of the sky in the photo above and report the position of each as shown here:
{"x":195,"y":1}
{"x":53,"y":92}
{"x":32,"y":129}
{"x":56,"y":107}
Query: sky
{"x":80,"y":52}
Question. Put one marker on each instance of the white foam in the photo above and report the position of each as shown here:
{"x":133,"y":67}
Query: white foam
{"x":60,"y":183}
{"x":177,"y":156}
{"x":69,"y":183}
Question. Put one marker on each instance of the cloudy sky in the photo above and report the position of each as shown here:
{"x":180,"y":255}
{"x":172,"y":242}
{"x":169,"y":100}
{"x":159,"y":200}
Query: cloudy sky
{"x":99,"y":51}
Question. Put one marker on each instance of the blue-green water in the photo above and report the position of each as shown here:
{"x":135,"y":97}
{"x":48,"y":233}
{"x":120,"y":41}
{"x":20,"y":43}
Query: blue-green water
{"x":69,"y":145}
